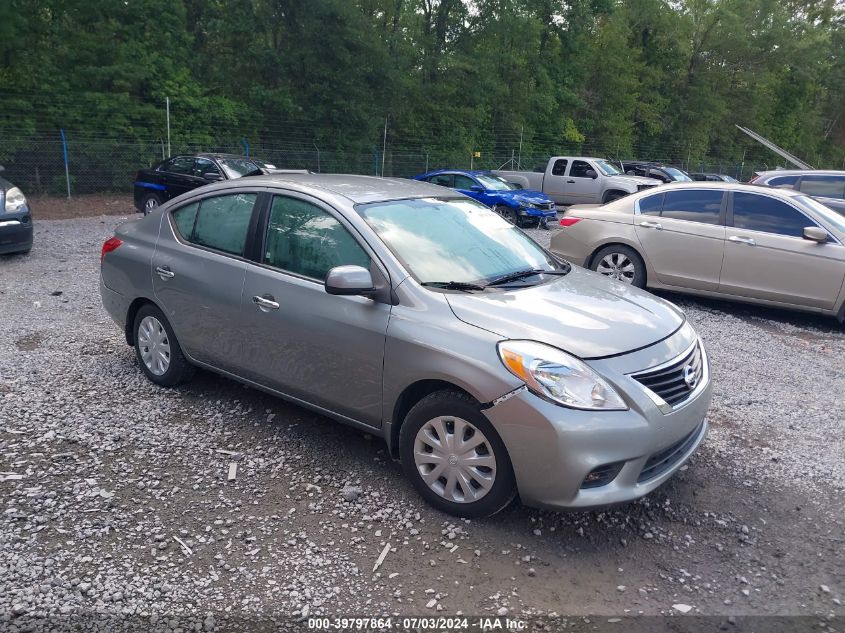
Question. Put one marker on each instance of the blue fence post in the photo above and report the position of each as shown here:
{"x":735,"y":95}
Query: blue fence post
{"x":64,"y":153}
{"x":245,"y":143}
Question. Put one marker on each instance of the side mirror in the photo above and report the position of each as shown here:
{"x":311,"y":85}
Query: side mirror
{"x":477,"y":188}
{"x":349,"y":280}
{"x":815,"y":234}
{"x":212,"y":176}
{"x":590,"y":173}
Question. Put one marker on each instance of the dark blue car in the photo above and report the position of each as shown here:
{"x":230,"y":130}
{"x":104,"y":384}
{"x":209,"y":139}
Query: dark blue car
{"x":517,"y":206}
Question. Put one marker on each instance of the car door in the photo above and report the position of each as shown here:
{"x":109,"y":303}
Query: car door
{"x":767,"y":257}
{"x":206,"y":171}
{"x":179,"y":176}
{"x":198,"y":270}
{"x":554,"y":181}
{"x":683,"y":236}
{"x":464,"y":184}
{"x":579,"y":188}
{"x":325,"y":349}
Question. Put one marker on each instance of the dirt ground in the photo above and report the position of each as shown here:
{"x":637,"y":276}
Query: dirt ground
{"x":61,"y":208}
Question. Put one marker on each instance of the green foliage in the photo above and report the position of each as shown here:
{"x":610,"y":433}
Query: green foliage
{"x":654,"y":79}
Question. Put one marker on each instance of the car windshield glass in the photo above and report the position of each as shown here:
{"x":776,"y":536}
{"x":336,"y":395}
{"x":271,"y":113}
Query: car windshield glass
{"x":677,"y":174}
{"x":453,"y":240}
{"x":494,"y":182}
{"x":237,"y":167}
{"x":834,"y":218}
{"x":606,"y":168}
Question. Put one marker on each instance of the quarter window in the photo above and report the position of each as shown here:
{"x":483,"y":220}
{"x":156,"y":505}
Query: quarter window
{"x":651,"y":205}
{"x":762,"y":213}
{"x":693,"y":205}
{"x":305,"y":240}
{"x":824,"y":186}
{"x":579,"y":169}
{"x":184,"y":219}
{"x":559,"y":168}
{"x":223,"y":221}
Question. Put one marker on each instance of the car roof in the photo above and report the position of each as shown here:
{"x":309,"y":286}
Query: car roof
{"x":357,"y":189}
{"x":721,"y":184}
{"x":801,"y":172}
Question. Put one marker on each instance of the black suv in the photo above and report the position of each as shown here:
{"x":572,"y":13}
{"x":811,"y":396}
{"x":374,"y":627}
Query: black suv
{"x":178,"y":174}
{"x":664,"y":173}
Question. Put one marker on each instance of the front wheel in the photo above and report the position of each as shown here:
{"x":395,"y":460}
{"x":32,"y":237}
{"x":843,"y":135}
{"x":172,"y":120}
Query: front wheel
{"x":506,"y":212}
{"x":157,"y":350}
{"x":150,"y":202}
{"x":621,"y":263}
{"x":455,"y":458}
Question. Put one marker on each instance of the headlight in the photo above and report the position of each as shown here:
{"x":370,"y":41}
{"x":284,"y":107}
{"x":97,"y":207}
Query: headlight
{"x":526,"y":205}
{"x":14,"y":200}
{"x":558,"y":376}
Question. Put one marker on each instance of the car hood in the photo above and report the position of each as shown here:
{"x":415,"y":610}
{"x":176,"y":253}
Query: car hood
{"x":582,"y":313}
{"x":527,"y":196}
{"x":636,"y":180}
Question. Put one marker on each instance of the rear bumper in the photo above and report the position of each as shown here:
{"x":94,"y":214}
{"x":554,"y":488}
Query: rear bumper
{"x":15,"y":234}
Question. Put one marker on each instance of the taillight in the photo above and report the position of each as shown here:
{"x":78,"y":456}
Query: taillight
{"x":569,"y":221}
{"x":108,"y":246}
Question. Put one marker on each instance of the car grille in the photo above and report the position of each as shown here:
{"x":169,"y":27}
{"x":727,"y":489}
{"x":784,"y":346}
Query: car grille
{"x":660,"y":462}
{"x":544,"y":206}
{"x":675,"y":381}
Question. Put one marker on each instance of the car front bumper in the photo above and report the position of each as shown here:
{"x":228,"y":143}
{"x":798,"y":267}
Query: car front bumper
{"x":15,"y":234}
{"x":531,"y":212}
{"x":553,"y":449}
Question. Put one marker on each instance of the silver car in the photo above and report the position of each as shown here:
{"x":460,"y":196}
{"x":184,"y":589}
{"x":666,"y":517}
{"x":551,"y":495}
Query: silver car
{"x":408,"y":310}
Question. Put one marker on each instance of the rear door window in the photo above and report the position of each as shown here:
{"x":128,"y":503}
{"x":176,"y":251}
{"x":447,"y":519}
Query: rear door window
{"x":222,"y":222}
{"x":559,"y":168}
{"x":305,"y":240}
{"x":823,"y":186}
{"x":782,"y":181}
{"x":693,"y":205}
{"x":755,"y":212}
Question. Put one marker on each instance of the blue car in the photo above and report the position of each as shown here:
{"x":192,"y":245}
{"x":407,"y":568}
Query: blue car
{"x":517,"y":206}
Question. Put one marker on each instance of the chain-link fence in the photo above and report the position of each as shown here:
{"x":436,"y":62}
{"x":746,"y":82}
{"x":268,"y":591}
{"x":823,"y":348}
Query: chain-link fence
{"x":99,"y":164}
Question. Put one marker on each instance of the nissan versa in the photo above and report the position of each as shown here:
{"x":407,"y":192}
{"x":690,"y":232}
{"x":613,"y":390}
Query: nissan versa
{"x":490,"y":367}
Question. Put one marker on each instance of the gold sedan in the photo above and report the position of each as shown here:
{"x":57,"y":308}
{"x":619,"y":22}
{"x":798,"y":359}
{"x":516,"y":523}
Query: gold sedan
{"x":726,"y":240}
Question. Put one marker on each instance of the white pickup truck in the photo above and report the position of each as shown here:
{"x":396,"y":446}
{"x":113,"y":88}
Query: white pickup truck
{"x":579,"y":180}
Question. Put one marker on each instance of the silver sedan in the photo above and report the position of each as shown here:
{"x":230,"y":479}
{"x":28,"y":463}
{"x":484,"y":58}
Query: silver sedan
{"x":489,"y":367}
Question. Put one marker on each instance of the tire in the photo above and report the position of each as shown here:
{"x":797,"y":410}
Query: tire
{"x":622,"y":263}
{"x":150,"y":202}
{"x":509,"y":214}
{"x":451,"y":412}
{"x":159,"y":334}
{"x":610,"y":196}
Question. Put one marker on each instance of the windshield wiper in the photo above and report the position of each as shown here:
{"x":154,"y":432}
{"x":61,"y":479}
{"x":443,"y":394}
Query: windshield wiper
{"x":521,"y":274}
{"x":453,"y":285}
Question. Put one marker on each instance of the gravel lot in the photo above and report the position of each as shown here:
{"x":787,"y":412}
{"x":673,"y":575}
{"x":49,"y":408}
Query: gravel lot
{"x":116,"y":509}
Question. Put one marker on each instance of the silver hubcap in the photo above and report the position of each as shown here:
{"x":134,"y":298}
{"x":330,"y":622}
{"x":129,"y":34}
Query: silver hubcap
{"x":151,"y":203}
{"x":455,"y":459}
{"x":154,"y":345}
{"x":617,"y":266}
{"x":506,"y":213}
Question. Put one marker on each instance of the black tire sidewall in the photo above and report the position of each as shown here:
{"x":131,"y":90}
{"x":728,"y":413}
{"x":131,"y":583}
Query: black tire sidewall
{"x":639,"y":266}
{"x":179,"y":368}
{"x":149,"y":196}
{"x":448,"y":403}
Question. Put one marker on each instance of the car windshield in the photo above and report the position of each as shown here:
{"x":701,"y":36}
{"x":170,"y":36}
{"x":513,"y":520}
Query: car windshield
{"x":606,"y":168}
{"x":835,"y":218}
{"x":677,"y":174}
{"x":237,"y":167}
{"x":491,"y":181}
{"x":453,"y":240}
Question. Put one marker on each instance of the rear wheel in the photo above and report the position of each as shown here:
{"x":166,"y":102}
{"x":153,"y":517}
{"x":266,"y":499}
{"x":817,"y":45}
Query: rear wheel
{"x":621,"y":263}
{"x":157,"y":350}
{"x":506,"y":212}
{"x":454,"y":457}
{"x":150,"y":202}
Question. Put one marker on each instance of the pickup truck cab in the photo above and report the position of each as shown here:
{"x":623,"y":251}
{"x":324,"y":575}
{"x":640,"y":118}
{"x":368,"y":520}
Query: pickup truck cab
{"x":579,"y":180}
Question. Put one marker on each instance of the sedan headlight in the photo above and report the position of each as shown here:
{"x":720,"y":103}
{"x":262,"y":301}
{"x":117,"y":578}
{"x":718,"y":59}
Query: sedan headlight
{"x":558,"y":376}
{"x":14,"y":200}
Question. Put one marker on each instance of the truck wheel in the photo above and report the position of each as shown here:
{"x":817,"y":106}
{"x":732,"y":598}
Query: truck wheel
{"x":509,"y":214}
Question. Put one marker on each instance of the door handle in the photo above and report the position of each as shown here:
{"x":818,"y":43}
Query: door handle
{"x":571,"y":182}
{"x":651,"y":225}
{"x":742,"y":240}
{"x":165,"y":273}
{"x":265,"y":303}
